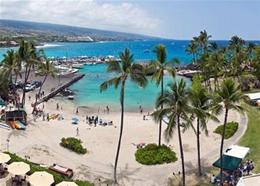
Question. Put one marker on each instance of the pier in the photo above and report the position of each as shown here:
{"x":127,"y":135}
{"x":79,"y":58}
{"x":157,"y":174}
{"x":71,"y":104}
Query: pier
{"x":53,"y":87}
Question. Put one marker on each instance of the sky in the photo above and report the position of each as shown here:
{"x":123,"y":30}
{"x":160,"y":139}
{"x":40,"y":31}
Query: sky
{"x":171,"y":19}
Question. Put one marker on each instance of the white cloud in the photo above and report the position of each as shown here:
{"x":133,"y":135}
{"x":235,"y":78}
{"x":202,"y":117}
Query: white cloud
{"x":124,"y":17}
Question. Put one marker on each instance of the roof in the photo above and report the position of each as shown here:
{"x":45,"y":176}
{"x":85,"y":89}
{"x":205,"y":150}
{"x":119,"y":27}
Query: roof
{"x":237,"y":151}
{"x":253,"y":96}
{"x":229,"y":162}
{"x":252,"y":180}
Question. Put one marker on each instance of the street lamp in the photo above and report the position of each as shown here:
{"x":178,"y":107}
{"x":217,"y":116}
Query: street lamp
{"x":7,"y":145}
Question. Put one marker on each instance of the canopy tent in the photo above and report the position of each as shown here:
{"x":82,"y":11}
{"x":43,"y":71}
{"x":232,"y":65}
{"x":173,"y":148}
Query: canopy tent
{"x":253,"y":96}
{"x":4,"y":157}
{"x":232,"y":157}
{"x":229,"y":163}
{"x":237,"y":151}
{"x":67,"y":183}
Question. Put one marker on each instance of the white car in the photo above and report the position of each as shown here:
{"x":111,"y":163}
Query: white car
{"x":29,"y":87}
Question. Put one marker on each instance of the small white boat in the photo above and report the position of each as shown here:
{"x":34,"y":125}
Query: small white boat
{"x":77,"y":65}
{"x":70,"y":97}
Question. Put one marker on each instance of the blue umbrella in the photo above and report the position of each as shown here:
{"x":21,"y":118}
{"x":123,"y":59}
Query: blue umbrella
{"x":75,"y":119}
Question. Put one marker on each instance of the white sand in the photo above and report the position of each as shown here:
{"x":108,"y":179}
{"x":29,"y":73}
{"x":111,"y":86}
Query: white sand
{"x":41,"y":141}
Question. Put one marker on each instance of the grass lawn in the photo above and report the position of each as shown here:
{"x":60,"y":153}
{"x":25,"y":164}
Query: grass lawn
{"x":251,"y":137}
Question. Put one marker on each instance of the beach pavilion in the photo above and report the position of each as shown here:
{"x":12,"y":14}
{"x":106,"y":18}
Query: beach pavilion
{"x":232,"y":157}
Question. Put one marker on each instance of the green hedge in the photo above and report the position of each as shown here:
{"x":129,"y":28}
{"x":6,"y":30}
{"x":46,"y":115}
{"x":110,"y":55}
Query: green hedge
{"x":151,"y":154}
{"x":231,"y":129}
{"x":57,"y":177}
{"x":73,"y":144}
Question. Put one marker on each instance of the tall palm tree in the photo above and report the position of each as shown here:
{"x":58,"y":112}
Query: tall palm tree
{"x":159,"y":67}
{"x":236,"y":48}
{"x":9,"y":67}
{"x":192,"y":49}
{"x":249,"y":51}
{"x":126,"y":70}
{"x":226,"y":98}
{"x":47,"y":69}
{"x":199,"y":100}
{"x":176,"y":107}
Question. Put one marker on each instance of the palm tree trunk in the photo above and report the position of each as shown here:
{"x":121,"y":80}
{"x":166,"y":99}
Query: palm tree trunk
{"x":181,"y":151}
{"x":222,"y":144}
{"x":198,"y":146}
{"x":160,"y":124}
{"x":35,"y":103}
{"x":25,"y":80}
{"x":121,"y":129}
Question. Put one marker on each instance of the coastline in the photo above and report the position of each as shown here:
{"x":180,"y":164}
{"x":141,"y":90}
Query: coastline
{"x":41,"y":140}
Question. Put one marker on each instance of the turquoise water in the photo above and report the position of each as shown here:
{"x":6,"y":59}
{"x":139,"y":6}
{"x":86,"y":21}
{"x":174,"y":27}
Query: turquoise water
{"x":87,"y":89}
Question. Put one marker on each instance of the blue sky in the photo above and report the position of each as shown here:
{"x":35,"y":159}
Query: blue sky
{"x":172,"y":19}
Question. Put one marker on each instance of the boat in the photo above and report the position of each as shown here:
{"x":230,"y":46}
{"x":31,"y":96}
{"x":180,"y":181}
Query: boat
{"x":5,"y":126}
{"x":64,"y":171}
{"x":77,"y":65}
{"x":146,"y":51}
{"x":70,"y":97}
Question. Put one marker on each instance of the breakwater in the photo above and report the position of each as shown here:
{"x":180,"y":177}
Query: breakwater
{"x":55,"y":90}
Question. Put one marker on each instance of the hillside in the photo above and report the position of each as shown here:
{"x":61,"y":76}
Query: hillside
{"x":46,"y":31}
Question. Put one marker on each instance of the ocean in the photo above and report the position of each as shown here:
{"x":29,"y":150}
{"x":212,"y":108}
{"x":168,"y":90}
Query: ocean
{"x":87,"y":89}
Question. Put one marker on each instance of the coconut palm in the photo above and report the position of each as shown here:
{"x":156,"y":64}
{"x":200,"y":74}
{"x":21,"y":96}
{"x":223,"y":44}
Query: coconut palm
{"x":47,"y":69}
{"x":176,"y":107}
{"x":199,"y":100}
{"x":126,"y":70}
{"x":159,"y":66}
{"x":192,"y":50}
{"x":225,"y":99}
{"x":9,"y":67}
{"x":27,"y":54}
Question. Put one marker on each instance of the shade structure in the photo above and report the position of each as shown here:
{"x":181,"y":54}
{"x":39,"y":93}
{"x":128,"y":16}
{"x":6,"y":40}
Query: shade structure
{"x":67,"y":183}
{"x":18,"y":168}
{"x":229,"y":162}
{"x":4,"y":157}
{"x":41,"y":178}
{"x":237,"y":151}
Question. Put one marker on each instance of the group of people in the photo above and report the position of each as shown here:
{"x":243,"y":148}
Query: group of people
{"x":92,"y":120}
{"x":233,"y":177}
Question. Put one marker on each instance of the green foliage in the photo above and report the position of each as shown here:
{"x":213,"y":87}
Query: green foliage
{"x":57,"y":177}
{"x":231,"y":129}
{"x":73,"y":144}
{"x":196,"y":81}
{"x":152,"y":155}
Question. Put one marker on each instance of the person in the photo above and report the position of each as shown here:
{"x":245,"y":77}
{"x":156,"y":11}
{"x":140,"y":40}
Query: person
{"x":29,"y":98}
{"x":77,"y":131}
{"x":213,"y":179}
{"x":107,"y":109}
{"x":77,"y":110}
{"x":48,"y":119}
{"x":141,"y":110}
{"x":57,"y":106}
{"x":225,"y":183}
{"x":252,"y":166}
{"x":144,"y":117}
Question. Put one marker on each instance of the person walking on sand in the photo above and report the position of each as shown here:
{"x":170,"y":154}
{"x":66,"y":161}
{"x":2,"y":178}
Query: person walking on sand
{"x":77,"y":131}
{"x":58,"y":106}
{"x":77,"y":110}
{"x":29,"y":98}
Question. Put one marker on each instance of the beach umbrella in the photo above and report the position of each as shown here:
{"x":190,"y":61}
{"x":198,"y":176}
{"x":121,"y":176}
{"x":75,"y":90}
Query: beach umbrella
{"x":75,"y":119}
{"x":18,"y":168}
{"x":41,"y":178}
{"x":67,"y":183}
{"x":4,"y":157}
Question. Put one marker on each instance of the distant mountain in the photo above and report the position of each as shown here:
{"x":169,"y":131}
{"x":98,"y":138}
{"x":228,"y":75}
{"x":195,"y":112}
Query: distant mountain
{"x":18,"y":28}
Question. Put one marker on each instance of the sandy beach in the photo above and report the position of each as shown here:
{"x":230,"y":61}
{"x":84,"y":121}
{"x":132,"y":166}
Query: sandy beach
{"x":40,"y":141}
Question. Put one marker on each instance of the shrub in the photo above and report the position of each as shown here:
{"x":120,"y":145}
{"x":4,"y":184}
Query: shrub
{"x":231,"y":129}
{"x":73,"y":144}
{"x":152,"y":155}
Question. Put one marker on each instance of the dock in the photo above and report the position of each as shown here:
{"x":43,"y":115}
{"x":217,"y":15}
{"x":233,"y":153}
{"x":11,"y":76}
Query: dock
{"x":58,"y":87}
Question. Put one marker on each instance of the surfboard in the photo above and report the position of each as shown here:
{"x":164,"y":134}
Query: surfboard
{"x":21,"y":125}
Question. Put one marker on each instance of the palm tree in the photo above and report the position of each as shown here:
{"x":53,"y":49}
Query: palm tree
{"x":10,"y":67}
{"x":45,"y":68}
{"x":226,"y":98}
{"x":158,"y":67}
{"x":199,"y":100}
{"x":237,"y":54}
{"x":27,"y":54}
{"x":175,"y":101}
{"x":192,"y":49}
{"x":249,"y":51}
{"x":125,"y":70}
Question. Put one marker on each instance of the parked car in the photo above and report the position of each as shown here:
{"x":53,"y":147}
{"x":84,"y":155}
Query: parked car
{"x":29,"y":87}
{"x":37,"y":84}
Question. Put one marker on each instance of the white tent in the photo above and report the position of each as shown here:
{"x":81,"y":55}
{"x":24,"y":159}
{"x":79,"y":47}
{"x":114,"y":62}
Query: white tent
{"x":237,"y":151}
{"x":253,"y":96}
